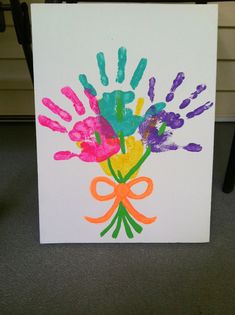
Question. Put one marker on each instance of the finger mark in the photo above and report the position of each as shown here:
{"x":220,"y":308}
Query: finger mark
{"x":176,"y":83}
{"x":152,"y":82}
{"x":138,"y":73}
{"x":199,"y":89}
{"x":198,"y":111}
{"x":122,"y":57}
{"x":72,"y":96}
{"x":93,"y":102}
{"x":64,"y":155}
{"x":87,"y":86}
{"x":185,"y":103}
{"x":101,"y":65}
{"x":51,"y":124}
{"x":56,"y":109}
{"x":193,"y":147}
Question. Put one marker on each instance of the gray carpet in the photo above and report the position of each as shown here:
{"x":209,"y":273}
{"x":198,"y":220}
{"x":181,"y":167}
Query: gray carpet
{"x":109,"y":278}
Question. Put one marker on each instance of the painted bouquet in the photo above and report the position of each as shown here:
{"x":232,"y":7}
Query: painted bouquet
{"x":121,"y":138}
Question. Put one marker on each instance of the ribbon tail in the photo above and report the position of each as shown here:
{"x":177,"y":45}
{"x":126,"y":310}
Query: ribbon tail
{"x":136,"y":214}
{"x":106,"y":216}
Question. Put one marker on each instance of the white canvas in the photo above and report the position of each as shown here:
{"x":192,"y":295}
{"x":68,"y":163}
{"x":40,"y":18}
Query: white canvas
{"x":178,"y":45}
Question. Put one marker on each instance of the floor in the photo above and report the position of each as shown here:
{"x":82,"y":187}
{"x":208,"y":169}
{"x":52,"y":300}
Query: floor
{"x":104,"y":279}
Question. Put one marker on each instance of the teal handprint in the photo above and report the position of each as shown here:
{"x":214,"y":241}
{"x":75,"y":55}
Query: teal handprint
{"x":113,"y":105}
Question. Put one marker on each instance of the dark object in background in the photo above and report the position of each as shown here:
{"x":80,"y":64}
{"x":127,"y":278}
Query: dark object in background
{"x":230,"y":172}
{"x":3,"y":7}
{"x":20,"y":16}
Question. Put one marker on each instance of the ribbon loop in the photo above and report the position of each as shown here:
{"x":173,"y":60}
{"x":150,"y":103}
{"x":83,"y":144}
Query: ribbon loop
{"x":147,"y":191}
{"x":102,"y":179}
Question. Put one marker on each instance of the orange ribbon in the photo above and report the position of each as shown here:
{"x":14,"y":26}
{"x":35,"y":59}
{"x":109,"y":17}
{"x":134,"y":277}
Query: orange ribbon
{"x":121,"y":193}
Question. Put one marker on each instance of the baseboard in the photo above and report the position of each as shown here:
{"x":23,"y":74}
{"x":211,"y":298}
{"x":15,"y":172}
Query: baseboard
{"x":17,"y":118}
{"x":224,"y":119}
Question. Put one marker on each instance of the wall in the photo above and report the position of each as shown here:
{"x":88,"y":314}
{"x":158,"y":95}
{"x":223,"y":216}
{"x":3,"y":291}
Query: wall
{"x":16,"y":91}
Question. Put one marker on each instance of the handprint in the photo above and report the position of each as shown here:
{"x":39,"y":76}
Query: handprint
{"x":97,"y":139}
{"x":156,"y":128}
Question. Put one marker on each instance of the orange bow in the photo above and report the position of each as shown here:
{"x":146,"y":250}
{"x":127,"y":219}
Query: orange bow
{"x":121,"y":193}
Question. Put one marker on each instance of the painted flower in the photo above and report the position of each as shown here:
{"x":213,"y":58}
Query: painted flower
{"x":124,"y":162}
{"x":96,"y":138}
{"x":113,"y":108}
{"x":155,"y":135}
{"x":152,"y":138}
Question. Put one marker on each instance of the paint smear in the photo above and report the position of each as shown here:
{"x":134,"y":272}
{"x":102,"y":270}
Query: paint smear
{"x":119,"y":108}
{"x":193,"y":147}
{"x":101,"y":64}
{"x":198,"y":111}
{"x":151,"y":94}
{"x":97,"y":137}
{"x":87,"y":86}
{"x":165,"y":148}
{"x":95,"y":149}
{"x":162,"y":129}
{"x":122,"y":142}
{"x":199,"y":89}
{"x":52,"y":124}
{"x":94,"y":105}
{"x":94,"y":152}
{"x":176,"y":83}
{"x":153,"y":110}
{"x":139,"y":106}
{"x":122,"y":57}
{"x":56,"y":109}
{"x":72,"y":96}
{"x":108,"y":109}
{"x":84,"y":130}
{"x":64,"y":155}
{"x":139,"y":71}
{"x":124,"y":162}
